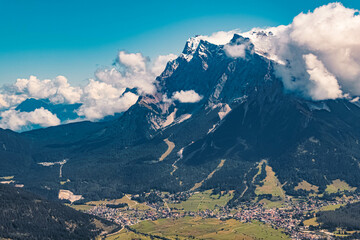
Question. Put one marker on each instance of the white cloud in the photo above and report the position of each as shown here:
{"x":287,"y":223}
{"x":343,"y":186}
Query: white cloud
{"x":219,"y":38}
{"x":235,"y":50}
{"x":15,"y":120}
{"x":331,"y":33}
{"x":160,"y":63}
{"x":325,"y":84}
{"x":3,"y":102}
{"x":8,"y":99}
{"x":134,"y":61}
{"x":142,"y":81}
{"x":57,"y":90}
{"x":189,"y":96}
{"x":101,"y":99}
{"x":135,"y":71}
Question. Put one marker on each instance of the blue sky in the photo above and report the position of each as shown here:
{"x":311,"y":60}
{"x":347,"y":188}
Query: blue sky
{"x":74,"y":38}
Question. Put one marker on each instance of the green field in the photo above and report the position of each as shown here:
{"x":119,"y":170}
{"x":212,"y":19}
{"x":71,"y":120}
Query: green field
{"x":331,"y":207}
{"x":272,"y":204}
{"x":304,"y":185}
{"x":311,"y":222}
{"x":199,"y":228}
{"x":339,"y":186}
{"x":82,"y":207}
{"x":126,"y":199}
{"x":271,"y":185}
{"x":127,"y":235}
{"x":201,"y":201}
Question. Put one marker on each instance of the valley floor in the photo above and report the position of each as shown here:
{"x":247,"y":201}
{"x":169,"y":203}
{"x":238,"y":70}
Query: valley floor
{"x":204,"y":215}
{"x":199,"y":228}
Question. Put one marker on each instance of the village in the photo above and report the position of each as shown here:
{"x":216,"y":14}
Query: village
{"x":288,"y":218}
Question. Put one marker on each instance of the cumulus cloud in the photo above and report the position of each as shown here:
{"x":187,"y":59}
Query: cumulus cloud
{"x":16,"y":120}
{"x":160,"y":63}
{"x":106,"y":95}
{"x":219,"y":38}
{"x":57,"y":90}
{"x":9,"y":99}
{"x":235,"y":51}
{"x":189,"y":96}
{"x":134,"y":71}
{"x":328,"y":38}
{"x":101,"y":99}
{"x":325,"y":85}
{"x":134,"y":61}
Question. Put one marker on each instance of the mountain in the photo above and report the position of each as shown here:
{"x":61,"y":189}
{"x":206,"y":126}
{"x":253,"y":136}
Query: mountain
{"x":33,"y":217}
{"x":64,"y":112}
{"x":15,"y":153}
{"x":243,"y":118}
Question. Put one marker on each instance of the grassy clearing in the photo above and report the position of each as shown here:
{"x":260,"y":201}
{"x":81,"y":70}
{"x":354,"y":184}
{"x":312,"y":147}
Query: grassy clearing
{"x":126,"y":199}
{"x":311,"y":221}
{"x":7,"y":178}
{"x":271,"y":185}
{"x":188,"y":227}
{"x":82,"y":207}
{"x":304,"y":185}
{"x":272,"y":204}
{"x":202,"y":200}
{"x":63,"y":182}
{"x":199,"y":184}
{"x":339,"y":186}
{"x":331,"y":207}
{"x":127,"y":235}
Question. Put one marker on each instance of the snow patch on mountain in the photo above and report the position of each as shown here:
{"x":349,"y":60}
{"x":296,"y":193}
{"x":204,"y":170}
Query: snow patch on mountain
{"x":218,"y":38}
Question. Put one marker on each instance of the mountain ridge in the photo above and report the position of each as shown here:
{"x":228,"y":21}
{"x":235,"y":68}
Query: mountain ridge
{"x":244,"y":115}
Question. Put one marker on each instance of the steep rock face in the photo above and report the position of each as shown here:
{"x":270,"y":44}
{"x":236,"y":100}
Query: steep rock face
{"x":210,"y":72}
{"x":302,"y":139}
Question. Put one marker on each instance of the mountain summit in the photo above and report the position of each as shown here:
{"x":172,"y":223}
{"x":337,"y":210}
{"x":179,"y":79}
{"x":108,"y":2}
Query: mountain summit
{"x":221,"y":118}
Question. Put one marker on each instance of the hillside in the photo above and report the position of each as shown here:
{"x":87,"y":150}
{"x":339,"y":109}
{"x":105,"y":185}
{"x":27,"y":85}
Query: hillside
{"x":23,"y":215}
{"x":346,"y":217}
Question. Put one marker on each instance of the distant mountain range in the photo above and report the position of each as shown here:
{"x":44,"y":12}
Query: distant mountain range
{"x":220,"y":116}
{"x":64,"y":112}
